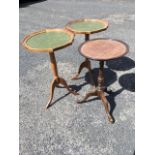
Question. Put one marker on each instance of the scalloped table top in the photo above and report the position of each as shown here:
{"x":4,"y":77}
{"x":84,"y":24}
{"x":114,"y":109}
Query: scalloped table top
{"x":87,"y":26}
{"x":48,"y":40}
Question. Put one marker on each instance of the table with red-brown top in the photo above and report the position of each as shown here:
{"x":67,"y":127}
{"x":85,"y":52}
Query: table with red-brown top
{"x":102,"y":50}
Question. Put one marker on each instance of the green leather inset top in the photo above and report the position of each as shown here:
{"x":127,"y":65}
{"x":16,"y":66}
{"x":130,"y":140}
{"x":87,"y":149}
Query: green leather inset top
{"x":87,"y":26}
{"x":48,"y":40}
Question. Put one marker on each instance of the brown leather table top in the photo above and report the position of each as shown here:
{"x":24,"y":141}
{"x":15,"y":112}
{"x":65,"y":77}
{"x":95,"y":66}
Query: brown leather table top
{"x":103,"y":49}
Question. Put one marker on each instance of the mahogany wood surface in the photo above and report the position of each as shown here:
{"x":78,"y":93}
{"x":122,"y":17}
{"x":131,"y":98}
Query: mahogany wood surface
{"x":103,"y":49}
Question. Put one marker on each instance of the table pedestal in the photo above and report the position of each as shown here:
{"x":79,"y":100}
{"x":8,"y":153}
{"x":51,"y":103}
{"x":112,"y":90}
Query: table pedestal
{"x":99,"y":91}
{"x":57,"y":80}
{"x":85,"y":64}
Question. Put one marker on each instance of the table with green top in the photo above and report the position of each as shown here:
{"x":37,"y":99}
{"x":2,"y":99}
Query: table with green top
{"x":50,"y":40}
{"x":86,"y":27}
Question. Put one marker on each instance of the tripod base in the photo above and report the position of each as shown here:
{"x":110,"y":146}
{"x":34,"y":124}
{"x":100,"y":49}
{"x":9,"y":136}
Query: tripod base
{"x":99,"y":91}
{"x":56,"y":82}
{"x":100,"y":94}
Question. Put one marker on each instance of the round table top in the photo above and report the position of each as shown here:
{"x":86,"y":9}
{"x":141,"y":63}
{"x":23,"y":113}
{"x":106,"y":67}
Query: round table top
{"x":103,"y":49}
{"x":87,"y":26}
{"x":48,"y":40}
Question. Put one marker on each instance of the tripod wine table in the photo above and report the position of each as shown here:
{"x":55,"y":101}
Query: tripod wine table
{"x":86,"y":27}
{"x":50,"y":40}
{"x":102,"y":50}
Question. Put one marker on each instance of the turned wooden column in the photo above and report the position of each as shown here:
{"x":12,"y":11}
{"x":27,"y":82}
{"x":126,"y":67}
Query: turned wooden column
{"x":101,"y":76}
{"x":53,"y":65}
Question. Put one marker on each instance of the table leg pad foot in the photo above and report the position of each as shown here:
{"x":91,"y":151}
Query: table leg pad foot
{"x":111,"y":120}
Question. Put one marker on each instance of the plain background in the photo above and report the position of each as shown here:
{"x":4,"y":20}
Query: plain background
{"x":145,"y":78}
